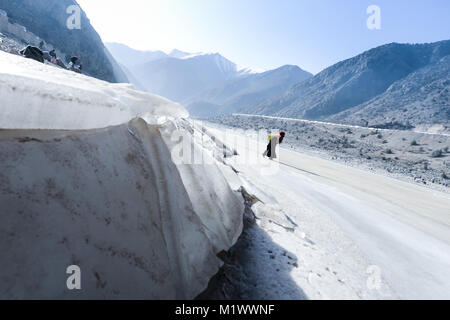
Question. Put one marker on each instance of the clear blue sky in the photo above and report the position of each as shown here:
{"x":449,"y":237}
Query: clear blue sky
{"x":266,"y":34}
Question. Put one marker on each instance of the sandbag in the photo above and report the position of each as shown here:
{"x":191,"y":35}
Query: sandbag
{"x":33,"y":53}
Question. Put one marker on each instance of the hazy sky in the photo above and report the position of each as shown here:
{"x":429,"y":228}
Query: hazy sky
{"x":266,"y":34}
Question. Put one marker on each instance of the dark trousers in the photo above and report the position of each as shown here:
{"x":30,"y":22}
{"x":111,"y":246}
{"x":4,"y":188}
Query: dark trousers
{"x":269,"y":149}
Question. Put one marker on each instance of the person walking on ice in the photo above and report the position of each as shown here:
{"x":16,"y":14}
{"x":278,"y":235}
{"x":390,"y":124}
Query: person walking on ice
{"x":274,"y":139}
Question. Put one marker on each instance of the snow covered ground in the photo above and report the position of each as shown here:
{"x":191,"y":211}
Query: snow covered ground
{"x":39,"y":96}
{"x":351,"y":233}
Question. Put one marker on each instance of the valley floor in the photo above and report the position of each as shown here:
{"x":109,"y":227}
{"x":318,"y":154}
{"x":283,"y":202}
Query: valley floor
{"x":419,"y":157}
{"x":329,"y":231}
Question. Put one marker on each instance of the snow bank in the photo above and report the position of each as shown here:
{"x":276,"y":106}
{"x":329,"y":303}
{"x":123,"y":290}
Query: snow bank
{"x":109,"y":200}
{"x":38,"y":96}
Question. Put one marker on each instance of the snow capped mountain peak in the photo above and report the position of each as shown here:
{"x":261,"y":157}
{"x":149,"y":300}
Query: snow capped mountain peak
{"x":182,"y":76}
{"x":175,"y":53}
{"x":224,"y":64}
{"x":196,"y":54}
{"x":248,"y":70}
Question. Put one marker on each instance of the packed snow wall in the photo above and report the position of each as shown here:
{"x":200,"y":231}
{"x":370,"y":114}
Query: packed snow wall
{"x":39,"y":96}
{"x":87,"y":179}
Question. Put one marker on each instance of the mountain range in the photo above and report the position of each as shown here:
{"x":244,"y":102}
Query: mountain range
{"x":406,"y":84}
{"x":206,"y":83}
{"x":391,"y":83}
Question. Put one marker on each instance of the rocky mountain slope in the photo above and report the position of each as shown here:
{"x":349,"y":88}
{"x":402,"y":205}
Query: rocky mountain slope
{"x":423,"y":97}
{"x":384,"y":74}
{"x":47,"y":19}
